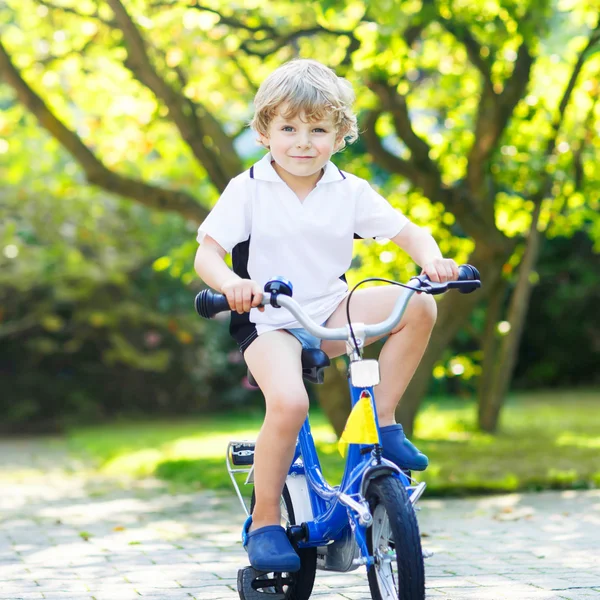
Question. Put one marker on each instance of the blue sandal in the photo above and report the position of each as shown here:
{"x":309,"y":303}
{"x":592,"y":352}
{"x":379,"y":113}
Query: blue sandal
{"x":398,"y":449}
{"x":269,"y":549}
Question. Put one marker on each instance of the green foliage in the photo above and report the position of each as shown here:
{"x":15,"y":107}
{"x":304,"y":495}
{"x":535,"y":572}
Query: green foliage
{"x":88,"y":328}
{"x":95,"y":292}
{"x":567,"y":296}
{"x":548,"y":442}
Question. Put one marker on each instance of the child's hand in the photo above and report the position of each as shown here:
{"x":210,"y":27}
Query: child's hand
{"x":242,"y":295}
{"x":441,"y":270}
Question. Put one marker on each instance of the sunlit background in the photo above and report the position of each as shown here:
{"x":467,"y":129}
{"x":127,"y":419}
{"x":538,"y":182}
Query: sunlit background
{"x":121,"y":122}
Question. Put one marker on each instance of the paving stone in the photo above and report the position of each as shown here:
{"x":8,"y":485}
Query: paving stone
{"x":54,"y":595}
{"x":214,"y":593}
{"x":18,"y":595}
{"x":147,"y":543}
{"x":114,"y":595}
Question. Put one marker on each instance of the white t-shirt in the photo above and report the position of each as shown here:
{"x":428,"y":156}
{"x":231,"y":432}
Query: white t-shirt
{"x":308,"y":242}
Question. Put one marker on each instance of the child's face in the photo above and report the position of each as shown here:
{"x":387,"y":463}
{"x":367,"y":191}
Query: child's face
{"x":301,"y":148}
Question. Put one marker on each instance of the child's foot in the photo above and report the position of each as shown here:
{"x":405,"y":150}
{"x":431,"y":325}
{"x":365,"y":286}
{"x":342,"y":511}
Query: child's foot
{"x":269,"y":548}
{"x":398,"y":449}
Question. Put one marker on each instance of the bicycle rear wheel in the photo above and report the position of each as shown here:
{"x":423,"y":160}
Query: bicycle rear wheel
{"x":299,"y":585}
{"x":395,"y":542}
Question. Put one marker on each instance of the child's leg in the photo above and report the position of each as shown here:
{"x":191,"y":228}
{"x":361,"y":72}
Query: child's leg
{"x":274,"y":359}
{"x":402,"y":351}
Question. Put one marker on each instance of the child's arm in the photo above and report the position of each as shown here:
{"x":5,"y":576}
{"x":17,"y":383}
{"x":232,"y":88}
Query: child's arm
{"x":419,"y":244}
{"x":242,"y":294}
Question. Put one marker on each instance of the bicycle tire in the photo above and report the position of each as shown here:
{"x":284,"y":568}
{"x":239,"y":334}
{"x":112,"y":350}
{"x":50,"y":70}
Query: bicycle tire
{"x":302,"y":581}
{"x":394,"y":529}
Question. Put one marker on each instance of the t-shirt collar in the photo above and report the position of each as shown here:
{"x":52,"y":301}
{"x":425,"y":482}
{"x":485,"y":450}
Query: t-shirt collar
{"x":264,"y":170}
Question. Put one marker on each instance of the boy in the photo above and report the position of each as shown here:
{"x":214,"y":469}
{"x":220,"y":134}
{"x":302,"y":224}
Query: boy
{"x":295,"y":214}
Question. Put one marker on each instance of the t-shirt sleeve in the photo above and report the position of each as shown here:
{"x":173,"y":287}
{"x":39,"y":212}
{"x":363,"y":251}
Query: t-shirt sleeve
{"x":229,"y":222}
{"x":375,"y":216}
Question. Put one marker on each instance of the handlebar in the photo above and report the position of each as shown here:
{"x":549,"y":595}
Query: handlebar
{"x":209,"y":303}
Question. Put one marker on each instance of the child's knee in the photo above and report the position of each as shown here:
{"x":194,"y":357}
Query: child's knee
{"x":422,"y":311}
{"x":288,"y":408}
{"x":425,"y":309}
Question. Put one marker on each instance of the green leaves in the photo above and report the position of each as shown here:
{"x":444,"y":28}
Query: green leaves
{"x":95,"y":271}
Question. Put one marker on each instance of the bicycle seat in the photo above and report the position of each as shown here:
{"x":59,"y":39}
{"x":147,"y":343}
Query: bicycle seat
{"x":314,"y":363}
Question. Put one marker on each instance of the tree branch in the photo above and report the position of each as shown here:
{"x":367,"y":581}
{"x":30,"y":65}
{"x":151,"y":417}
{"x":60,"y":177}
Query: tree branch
{"x":389,"y":161}
{"x":420,"y":169}
{"x":233,"y":22}
{"x":562,"y":107}
{"x":236,"y":61}
{"x":73,"y":11}
{"x":271,"y":34}
{"x":96,"y":172}
{"x":395,"y":104}
{"x":487,"y":118}
{"x":492,"y":118}
{"x":494,"y":112}
{"x":278,"y":41}
{"x":587,"y":139}
{"x":199,"y":129}
{"x":546,"y":185}
{"x":507,"y":354}
{"x":472,"y":46}
{"x":456,"y":200}
{"x":78,"y":52}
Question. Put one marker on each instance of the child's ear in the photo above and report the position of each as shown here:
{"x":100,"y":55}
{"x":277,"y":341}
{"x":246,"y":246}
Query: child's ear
{"x":263,"y":139}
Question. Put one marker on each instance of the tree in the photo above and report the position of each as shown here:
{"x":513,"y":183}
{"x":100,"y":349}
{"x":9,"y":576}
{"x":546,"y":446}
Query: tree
{"x":453,"y":107}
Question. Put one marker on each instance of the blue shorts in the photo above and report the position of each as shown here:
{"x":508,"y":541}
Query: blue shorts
{"x":307,"y":339}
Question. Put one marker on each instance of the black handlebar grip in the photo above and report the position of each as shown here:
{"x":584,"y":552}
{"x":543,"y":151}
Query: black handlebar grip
{"x":209,"y":303}
{"x":468,"y":273}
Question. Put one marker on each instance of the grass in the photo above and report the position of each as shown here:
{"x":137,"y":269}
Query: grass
{"x":548,"y":440}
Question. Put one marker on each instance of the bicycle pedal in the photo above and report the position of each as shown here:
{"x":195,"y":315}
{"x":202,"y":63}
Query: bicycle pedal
{"x":260,"y":585}
{"x":242,"y":453}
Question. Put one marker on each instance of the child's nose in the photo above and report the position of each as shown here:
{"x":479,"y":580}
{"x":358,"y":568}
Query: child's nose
{"x":303,"y":141}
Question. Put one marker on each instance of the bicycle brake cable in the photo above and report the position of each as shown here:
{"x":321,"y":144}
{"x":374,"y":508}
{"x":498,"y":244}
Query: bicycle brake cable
{"x":359,"y":350}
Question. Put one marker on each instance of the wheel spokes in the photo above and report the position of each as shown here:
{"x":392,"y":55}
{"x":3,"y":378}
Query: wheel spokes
{"x":383,"y":549}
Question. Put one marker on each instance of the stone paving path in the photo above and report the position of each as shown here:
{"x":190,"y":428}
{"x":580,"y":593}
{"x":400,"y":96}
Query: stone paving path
{"x":66,"y":536}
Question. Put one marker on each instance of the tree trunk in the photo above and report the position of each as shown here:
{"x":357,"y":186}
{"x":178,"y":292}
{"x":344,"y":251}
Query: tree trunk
{"x":453,"y":312}
{"x":491,"y":340}
{"x":493,"y":397}
{"x":333,"y":395}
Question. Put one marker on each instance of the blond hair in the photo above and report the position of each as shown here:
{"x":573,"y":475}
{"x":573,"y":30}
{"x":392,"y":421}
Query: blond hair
{"x":309,"y":87}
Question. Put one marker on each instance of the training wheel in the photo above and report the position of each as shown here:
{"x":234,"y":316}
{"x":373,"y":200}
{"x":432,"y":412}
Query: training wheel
{"x":261,"y":585}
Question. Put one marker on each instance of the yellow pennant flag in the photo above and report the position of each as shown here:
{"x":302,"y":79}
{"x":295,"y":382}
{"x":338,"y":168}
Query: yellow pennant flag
{"x":360,"y":427}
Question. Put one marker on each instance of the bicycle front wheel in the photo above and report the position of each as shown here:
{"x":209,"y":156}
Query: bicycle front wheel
{"x":395,"y":542}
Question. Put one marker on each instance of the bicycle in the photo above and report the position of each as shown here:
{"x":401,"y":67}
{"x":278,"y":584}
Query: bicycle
{"x":369,"y":519}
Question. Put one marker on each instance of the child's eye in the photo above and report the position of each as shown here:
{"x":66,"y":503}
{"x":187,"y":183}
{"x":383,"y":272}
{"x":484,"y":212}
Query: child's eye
{"x":319,"y":130}
{"x":287,"y":128}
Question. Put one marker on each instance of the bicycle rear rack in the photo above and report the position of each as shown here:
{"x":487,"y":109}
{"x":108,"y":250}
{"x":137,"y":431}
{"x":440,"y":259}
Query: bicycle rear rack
{"x":240,"y":459}
{"x":417,"y":491}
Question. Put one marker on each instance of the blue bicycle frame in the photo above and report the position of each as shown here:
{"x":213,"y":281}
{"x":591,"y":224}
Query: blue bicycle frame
{"x":337,"y":508}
